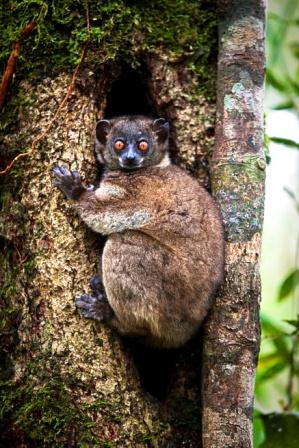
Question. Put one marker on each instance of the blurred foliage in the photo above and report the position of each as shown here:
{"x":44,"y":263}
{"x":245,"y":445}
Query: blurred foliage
{"x":283,"y":55}
{"x":281,"y":430}
{"x":279,"y":357}
{"x":283,"y":60}
{"x":279,"y":347}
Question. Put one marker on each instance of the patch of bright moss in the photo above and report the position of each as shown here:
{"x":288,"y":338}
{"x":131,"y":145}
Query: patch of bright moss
{"x":118,"y":29}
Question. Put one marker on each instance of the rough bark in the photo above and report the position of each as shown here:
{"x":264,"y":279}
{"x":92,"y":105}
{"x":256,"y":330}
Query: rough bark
{"x":238,"y":170}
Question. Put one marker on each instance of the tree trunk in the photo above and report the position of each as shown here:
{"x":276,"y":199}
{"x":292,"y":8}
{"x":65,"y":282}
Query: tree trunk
{"x":71,"y":382}
{"x":67,"y":382}
{"x":238,"y":173}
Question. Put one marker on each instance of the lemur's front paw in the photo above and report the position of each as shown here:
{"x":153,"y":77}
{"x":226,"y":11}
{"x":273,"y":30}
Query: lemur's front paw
{"x":96,"y":308}
{"x":69,"y":182}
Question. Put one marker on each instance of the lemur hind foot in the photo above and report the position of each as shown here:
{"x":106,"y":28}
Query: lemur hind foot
{"x":95,"y":306}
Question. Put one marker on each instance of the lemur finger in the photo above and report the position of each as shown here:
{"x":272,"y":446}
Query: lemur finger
{"x":60,"y":172}
{"x":85,"y":301}
{"x":64,"y":171}
{"x":75,"y":175}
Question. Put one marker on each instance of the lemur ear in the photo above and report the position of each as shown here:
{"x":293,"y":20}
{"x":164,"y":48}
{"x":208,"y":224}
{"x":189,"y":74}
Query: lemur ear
{"x":102,"y":129}
{"x":161,"y":128}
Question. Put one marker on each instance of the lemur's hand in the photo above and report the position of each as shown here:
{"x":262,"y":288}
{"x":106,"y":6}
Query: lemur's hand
{"x":69,"y":182}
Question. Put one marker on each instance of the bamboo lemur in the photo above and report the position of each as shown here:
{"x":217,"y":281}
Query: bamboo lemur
{"x":163,"y":259}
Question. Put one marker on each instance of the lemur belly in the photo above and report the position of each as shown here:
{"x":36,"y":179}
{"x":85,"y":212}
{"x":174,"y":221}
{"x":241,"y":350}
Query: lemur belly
{"x":139,"y":283}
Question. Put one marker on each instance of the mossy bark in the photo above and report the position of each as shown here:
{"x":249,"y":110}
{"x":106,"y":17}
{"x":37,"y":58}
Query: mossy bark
{"x":238,"y":173}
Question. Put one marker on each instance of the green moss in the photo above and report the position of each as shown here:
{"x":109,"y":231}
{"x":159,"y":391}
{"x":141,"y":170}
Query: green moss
{"x":10,"y":311}
{"x":15,"y":100}
{"x":251,"y":168}
{"x":30,"y":267}
{"x":13,"y":263}
{"x":145,"y":438}
{"x":47,"y":414}
{"x":119,"y":29}
{"x":238,"y":186}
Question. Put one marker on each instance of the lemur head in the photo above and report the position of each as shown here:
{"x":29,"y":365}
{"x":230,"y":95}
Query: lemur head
{"x":132,"y":142}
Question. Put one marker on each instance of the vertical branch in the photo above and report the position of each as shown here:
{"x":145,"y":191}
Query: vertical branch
{"x":238,"y":170}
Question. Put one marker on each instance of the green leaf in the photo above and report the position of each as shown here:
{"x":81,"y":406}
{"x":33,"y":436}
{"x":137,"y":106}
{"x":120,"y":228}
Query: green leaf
{"x":289,"y":284}
{"x":294,"y":323}
{"x":275,"y":82}
{"x":281,"y":346}
{"x":273,"y":16}
{"x":285,"y":141}
{"x":271,"y":372}
{"x":270,"y":327}
{"x":286,"y":105}
{"x":258,"y":429}
{"x":267,"y":361}
{"x":291,"y":194}
{"x":293,"y":85}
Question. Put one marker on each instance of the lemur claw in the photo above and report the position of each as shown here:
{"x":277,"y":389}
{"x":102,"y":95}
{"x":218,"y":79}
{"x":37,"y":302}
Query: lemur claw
{"x":96,"y":308}
{"x":88,"y":307}
{"x":69,"y":182}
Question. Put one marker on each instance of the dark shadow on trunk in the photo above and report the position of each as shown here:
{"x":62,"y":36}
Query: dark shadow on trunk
{"x":129,"y":94}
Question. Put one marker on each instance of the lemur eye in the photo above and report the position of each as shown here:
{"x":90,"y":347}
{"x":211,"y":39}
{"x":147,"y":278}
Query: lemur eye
{"x":143,"y":145}
{"x":119,"y":145}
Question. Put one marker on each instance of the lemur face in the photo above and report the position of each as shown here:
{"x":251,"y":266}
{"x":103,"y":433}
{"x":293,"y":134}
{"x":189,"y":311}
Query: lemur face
{"x":130,"y":143}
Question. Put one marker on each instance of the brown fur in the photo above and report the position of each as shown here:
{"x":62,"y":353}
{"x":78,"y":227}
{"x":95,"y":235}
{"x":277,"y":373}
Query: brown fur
{"x":163,"y":259}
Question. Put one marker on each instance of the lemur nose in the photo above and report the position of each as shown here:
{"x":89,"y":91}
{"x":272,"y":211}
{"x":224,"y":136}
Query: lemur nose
{"x":130,"y":156}
{"x":130,"y":160}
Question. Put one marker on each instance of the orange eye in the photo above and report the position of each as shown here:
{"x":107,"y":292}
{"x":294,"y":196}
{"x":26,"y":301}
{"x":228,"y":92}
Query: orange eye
{"x":119,"y":145}
{"x":143,"y":145}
